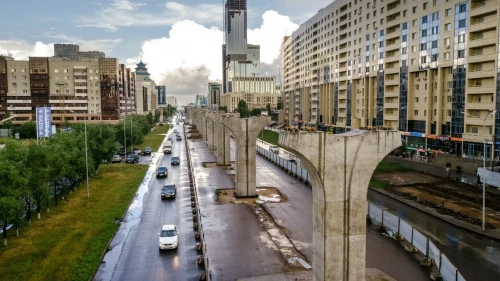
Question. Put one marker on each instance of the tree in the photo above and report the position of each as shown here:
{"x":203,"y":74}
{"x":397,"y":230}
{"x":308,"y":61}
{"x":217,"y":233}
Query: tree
{"x":268,"y":108}
{"x":242,"y":109}
{"x":9,"y":212}
{"x":223,"y":108}
{"x":279,"y":105}
{"x":255,"y":112}
{"x":27,"y":130}
{"x":38,"y":179}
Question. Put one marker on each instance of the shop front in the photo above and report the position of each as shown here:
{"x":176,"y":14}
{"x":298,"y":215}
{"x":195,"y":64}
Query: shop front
{"x":444,"y":144}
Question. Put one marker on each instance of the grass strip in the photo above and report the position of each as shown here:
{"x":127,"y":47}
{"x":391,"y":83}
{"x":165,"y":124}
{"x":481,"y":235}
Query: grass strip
{"x":152,"y":141}
{"x":160,"y":129}
{"x":67,"y":243}
{"x":384,"y":167}
{"x":269,"y":136}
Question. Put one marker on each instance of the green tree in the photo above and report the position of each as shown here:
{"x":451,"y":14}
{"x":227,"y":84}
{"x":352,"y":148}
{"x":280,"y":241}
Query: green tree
{"x":38,"y":178}
{"x":255,"y":112}
{"x":242,"y":109}
{"x":268,"y":108}
{"x":101,"y":143}
{"x":279,"y":105}
{"x":223,"y":108}
{"x":27,"y":130}
{"x":9,"y":213}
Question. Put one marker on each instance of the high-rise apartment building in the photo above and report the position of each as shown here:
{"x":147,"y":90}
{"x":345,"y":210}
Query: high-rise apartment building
{"x":67,"y":51}
{"x":172,"y":101}
{"x":162,"y":94}
{"x":427,"y":68}
{"x":91,"y":88}
{"x":239,"y":59}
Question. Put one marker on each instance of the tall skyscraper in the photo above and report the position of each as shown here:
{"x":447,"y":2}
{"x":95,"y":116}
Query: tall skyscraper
{"x":162,"y":94}
{"x":239,"y":58}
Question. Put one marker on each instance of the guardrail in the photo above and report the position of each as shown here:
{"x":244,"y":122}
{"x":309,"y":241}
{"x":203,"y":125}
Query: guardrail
{"x":200,"y":246}
{"x":394,"y":225}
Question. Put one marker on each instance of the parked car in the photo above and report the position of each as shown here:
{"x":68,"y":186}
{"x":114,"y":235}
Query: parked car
{"x":169,"y":237}
{"x":116,"y":159}
{"x":274,"y":149}
{"x":132,"y":158}
{"x":175,"y":160}
{"x":137,"y":151}
{"x":168,"y":191}
{"x":161,"y":172}
{"x":147,"y":151}
{"x":122,"y":151}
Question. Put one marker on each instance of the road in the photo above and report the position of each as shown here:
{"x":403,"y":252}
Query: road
{"x":134,"y":251}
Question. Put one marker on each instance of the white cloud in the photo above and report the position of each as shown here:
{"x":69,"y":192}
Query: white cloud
{"x":102,"y":45}
{"x":21,"y":50}
{"x":126,"y":5}
{"x":191,"y":55}
{"x":111,"y":19}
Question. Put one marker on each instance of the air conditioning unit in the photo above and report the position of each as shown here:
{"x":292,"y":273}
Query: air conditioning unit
{"x":447,"y":46}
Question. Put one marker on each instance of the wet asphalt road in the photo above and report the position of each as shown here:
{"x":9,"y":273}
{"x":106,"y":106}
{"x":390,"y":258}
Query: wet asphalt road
{"x":135,"y":254}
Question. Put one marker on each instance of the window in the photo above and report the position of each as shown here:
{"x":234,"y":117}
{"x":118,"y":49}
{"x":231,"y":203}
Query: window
{"x":434,"y":44}
{"x":56,"y":70}
{"x":412,"y":61}
{"x":448,"y":99}
{"x":461,"y":23}
{"x":65,"y":71}
{"x":404,"y":38}
{"x":435,"y":29}
{"x":447,"y":27}
{"x":14,"y":77}
{"x":447,"y":41}
{"x":413,"y":35}
{"x":405,"y":13}
{"x":25,"y":91}
{"x":381,"y":44}
{"x":414,"y":10}
{"x":462,"y":8}
{"x":447,"y":56}
{"x":474,"y":130}
{"x":435,"y":16}
{"x":424,"y":19}
{"x":415,"y":112}
{"x":14,"y":84}
{"x":435,"y":3}
{"x":425,"y":112}
{"x":23,"y":70}
{"x":461,"y":54}
{"x":25,"y":77}
{"x":405,"y":26}
{"x":423,"y":33}
{"x":450,"y":84}
{"x":426,"y":5}
{"x":414,"y":23}
{"x":416,"y":99}
{"x":423,"y":46}
{"x":461,"y":38}
{"x":413,"y":49}
{"x":448,"y":112}
{"x":447,"y":12}
{"x":404,"y":50}
{"x":25,"y":84}
{"x":417,"y":87}
{"x":434,"y":57}
{"x":423,"y":59}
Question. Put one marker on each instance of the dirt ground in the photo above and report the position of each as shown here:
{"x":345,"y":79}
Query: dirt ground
{"x":225,"y":196}
{"x":459,"y":200}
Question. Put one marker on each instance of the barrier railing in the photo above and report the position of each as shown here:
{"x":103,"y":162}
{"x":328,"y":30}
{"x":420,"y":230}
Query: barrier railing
{"x":201,"y":260}
{"x":393,"y":224}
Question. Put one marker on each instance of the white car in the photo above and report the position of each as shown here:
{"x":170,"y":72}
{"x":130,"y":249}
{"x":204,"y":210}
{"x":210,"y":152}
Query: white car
{"x":274,"y":149}
{"x":168,"y":237}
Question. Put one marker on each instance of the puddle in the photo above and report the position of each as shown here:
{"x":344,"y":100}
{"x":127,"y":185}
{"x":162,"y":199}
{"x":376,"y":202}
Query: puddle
{"x":131,"y":219}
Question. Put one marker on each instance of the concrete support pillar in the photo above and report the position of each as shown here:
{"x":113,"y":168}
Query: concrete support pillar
{"x":245,"y":132}
{"x":223,"y":146}
{"x":340,"y":168}
{"x":210,"y":134}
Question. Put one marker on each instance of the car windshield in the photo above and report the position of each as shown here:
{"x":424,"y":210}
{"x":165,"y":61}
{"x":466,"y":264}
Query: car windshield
{"x":162,"y":169}
{"x":116,"y":156}
{"x":169,"y":187}
{"x":175,"y":158}
{"x":131,"y":156}
{"x":167,"y":233}
{"x":147,"y":148}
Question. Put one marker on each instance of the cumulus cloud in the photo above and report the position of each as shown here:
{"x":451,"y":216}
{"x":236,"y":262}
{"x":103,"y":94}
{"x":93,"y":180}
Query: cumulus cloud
{"x":129,"y":14}
{"x":191,"y":55}
{"x":21,"y":50}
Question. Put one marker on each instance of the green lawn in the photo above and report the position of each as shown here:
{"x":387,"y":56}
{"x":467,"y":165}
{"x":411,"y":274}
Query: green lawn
{"x":67,"y":243}
{"x":269,"y":136}
{"x":160,"y":129}
{"x":377,"y":184}
{"x":390,"y":167}
{"x":152,"y":141}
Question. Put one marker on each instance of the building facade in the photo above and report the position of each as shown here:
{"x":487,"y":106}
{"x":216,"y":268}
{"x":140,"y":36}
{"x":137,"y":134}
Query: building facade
{"x":67,"y":51}
{"x":88,"y":89}
{"x":172,"y":101}
{"x":201,"y":101}
{"x":214,"y":92}
{"x":427,"y":68}
{"x":253,"y":100}
{"x":144,"y":102}
{"x":162,"y":94}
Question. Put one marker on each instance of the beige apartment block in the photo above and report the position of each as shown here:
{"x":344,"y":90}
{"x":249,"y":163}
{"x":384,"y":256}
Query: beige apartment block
{"x":428,"y":68}
{"x":253,"y":100}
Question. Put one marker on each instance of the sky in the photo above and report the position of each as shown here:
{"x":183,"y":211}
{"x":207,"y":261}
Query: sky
{"x":180,"y":41}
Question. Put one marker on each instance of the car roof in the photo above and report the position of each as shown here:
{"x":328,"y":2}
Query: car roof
{"x":169,"y":184}
{"x":168,"y":227}
{"x":175,"y":157}
{"x":162,"y":167}
{"x":147,"y":148}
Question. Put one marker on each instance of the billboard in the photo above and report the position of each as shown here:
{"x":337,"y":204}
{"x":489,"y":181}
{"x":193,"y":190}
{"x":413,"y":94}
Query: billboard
{"x":43,"y":122}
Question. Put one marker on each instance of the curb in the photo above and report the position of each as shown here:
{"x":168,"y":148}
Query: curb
{"x":448,"y":219}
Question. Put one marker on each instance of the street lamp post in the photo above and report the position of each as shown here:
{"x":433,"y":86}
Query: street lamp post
{"x":484,"y":162}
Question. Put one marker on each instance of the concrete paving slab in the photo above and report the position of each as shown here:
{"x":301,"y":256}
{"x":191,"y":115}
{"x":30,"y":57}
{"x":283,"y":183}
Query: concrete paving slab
{"x":372,"y":274}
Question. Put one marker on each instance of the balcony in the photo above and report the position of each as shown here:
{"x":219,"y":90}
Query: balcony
{"x":393,"y":58}
{"x":479,"y":42}
{"x":392,"y":117}
{"x":393,"y":44}
{"x":393,"y":105}
{"x":392,"y":70}
{"x":475,"y":73}
{"x":391,"y":82}
{"x":478,"y":106}
{"x":482,"y":7}
{"x":391,"y":94}
{"x":472,"y":137}
{"x":481,"y":25}
{"x":481,"y":57}
{"x":482,"y":89}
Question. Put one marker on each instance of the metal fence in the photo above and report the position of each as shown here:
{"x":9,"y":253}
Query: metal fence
{"x":392,"y":223}
{"x":201,"y":260}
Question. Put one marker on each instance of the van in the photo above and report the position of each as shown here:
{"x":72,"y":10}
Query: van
{"x":167,"y":147}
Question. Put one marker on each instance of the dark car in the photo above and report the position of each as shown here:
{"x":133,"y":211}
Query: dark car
{"x":169,"y":139}
{"x":161,"y":172}
{"x":179,"y":138}
{"x":175,"y":161}
{"x":168,"y":191}
{"x":122,"y":151}
{"x":132,"y":158}
{"x":116,"y":159}
{"x":147,"y":151}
